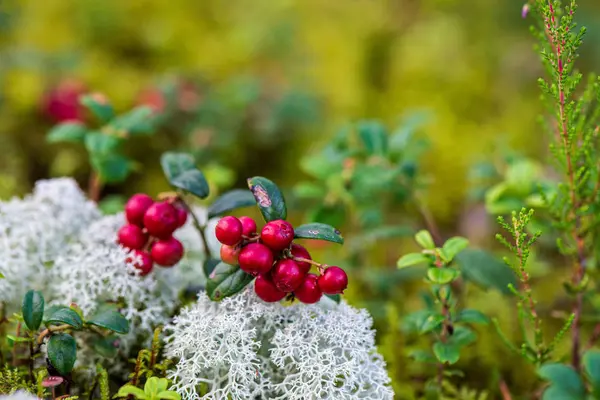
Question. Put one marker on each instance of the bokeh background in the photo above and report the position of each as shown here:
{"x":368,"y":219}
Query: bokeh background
{"x":253,"y":86}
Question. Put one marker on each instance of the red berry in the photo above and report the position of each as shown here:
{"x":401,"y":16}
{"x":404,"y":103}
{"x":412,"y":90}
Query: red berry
{"x":182,"y":214}
{"x":167,"y":252}
{"x":287,"y":275}
{"x":300,"y":251}
{"x":255,"y":259}
{"x":333,"y":281}
{"x":309,"y":292}
{"x":230,"y":254}
{"x":248,"y":226}
{"x":143,"y":263}
{"x":229,"y":230}
{"x":136,"y":207}
{"x":132,"y":236}
{"x":266,"y":290}
{"x":277,"y":234}
{"x":161,"y":220}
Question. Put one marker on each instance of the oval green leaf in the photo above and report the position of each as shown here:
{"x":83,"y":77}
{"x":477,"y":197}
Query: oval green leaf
{"x":425,"y":240}
{"x":591,"y":364}
{"x":469,"y":316}
{"x":33,"y":309}
{"x":446,"y":353}
{"x":319,"y":231}
{"x":485,"y":270}
{"x":564,"y":378}
{"x":111,"y":168}
{"x":209,"y":265}
{"x":102,"y":144}
{"x":71,"y":131}
{"x":268,"y":197}
{"x":226,"y":280}
{"x":64,"y":315}
{"x":111,"y":320}
{"x":98,"y":105}
{"x":62,"y":352}
{"x":231,"y":200}
{"x":442,"y":276}
{"x":129,"y":389}
{"x":181,"y":172}
{"x":138,"y":121}
{"x":410,"y":259}
{"x":105,"y":346}
{"x":453,"y":246}
{"x":374,"y":137}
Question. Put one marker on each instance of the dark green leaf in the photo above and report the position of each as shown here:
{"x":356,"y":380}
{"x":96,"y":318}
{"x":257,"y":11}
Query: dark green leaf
{"x":111,"y":168}
{"x":591,"y":364}
{"x":102,"y":144}
{"x":226,"y":280}
{"x":462,"y":336}
{"x":442,"y":276}
{"x":374,"y":137}
{"x":335,"y":297}
{"x":137,"y":121}
{"x":469,"y":316}
{"x":231,"y":200}
{"x":209,"y":265}
{"x":556,"y":393}
{"x":70,"y":131}
{"x":268,"y":197}
{"x":564,"y":378}
{"x":111,"y":320}
{"x":62,"y":352}
{"x":106,"y":346}
{"x":318,"y":231}
{"x":484,"y":269}
{"x":433,"y":322}
{"x":422,"y":356}
{"x":64,"y":315}
{"x":181,"y":172}
{"x":33,"y":309}
{"x":410,"y":259}
{"x":446,"y":352}
{"x":99,"y":106}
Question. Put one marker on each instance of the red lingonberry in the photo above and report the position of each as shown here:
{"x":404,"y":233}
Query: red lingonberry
{"x":277,"y":234}
{"x":287,"y":275}
{"x":248,"y":226}
{"x":143,"y":262}
{"x":230,"y":254}
{"x":161,"y":220}
{"x":229,"y":230}
{"x":301,"y":252}
{"x":309,"y":292}
{"x":136,"y":207}
{"x":255,"y":258}
{"x":132,"y":236}
{"x":167,"y":252}
{"x":333,"y":281}
{"x":182,"y":214}
{"x":266,"y":290}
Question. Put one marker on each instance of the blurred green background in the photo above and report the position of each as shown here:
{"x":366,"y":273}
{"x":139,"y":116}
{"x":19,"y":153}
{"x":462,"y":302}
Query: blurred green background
{"x":252,"y":86}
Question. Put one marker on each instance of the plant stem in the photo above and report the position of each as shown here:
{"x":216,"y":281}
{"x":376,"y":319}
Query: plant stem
{"x":199,"y":227}
{"x":45,"y":332}
{"x":94,"y":186}
{"x":14,"y":349}
{"x":31,"y":353}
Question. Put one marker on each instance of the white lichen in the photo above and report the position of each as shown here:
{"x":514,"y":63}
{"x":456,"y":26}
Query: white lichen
{"x":243,"y":348}
{"x":19,"y":395}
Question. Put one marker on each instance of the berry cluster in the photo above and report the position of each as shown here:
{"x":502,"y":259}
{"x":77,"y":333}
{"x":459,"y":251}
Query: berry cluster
{"x":281,"y":267}
{"x":149,"y":231}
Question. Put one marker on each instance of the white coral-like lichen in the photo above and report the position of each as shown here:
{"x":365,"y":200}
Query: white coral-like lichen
{"x":243,"y":348}
{"x":19,"y":395}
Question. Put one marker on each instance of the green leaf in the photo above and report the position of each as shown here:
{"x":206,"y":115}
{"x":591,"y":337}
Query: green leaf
{"x":231,"y":200}
{"x":564,"y":378}
{"x":442,"y":276}
{"x":591,"y":364}
{"x":33,"y":309}
{"x":169,"y":395}
{"x":64,"y":315}
{"x":112,"y":204}
{"x":137,"y":121}
{"x":412,"y":259}
{"x":2,"y":276}
{"x":425,"y":240}
{"x":268,"y":197}
{"x":462,"y":336}
{"x":335,"y":297}
{"x":62,"y":352}
{"x":432,"y":322}
{"x":556,"y":393}
{"x":374,"y":137}
{"x":422,"y":356}
{"x":226,"y":280}
{"x":469,"y":316}
{"x":70,"y":131}
{"x":209,"y":265}
{"x":98,"y":105}
{"x":181,"y":172}
{"x":446,"y":352}
{"x":105,"y":346}
{"x":128,"y":389}
{"x":453,"y":246}
{"x":111,"y":320}
{"x":485,"y":270}
{"x":112,"y":168}
{"x":316,"y":230}
{"x":102,"y":144}
{"x":18,"y":339}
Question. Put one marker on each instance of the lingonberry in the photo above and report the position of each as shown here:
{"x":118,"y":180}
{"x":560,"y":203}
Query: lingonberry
{"x":142,"y":262}
{"x":248,"y":226}
{"x":308,"y":292}
{"x":301,"y":252}
{"x":229,"y":230}
{"x":167,"y":252}
{"x":161,"y":220}
{"x":266,"y":290}
{"x":230,"y":254}
{"x":277,"y":234}
{"x":136,"y":207}
{"x":182,"y":214}
{"x":132,"y":236}
{"x":287,"y":275}
{"x":333,"y":281}
{"x":255,"y":258}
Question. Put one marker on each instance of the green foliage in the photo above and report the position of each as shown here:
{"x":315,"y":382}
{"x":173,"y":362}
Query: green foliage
{"x":111,"y":320}
{"x":154,"y":389}
{"x":269,"y":198}
{"x":319,"y":231}
{"x":33,"y":309}
{"x":181,"y":172}
{"x":62,"y":352}
{"x":14,"y":379}
{"x":226,"y":280}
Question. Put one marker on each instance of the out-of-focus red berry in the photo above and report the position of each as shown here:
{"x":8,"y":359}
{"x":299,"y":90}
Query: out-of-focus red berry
{"x":136,"y":208}
{"x":161,"y":220}
{"x":132,"y":236}
{"x":301,"y":252}
{"x":248,"y":226}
